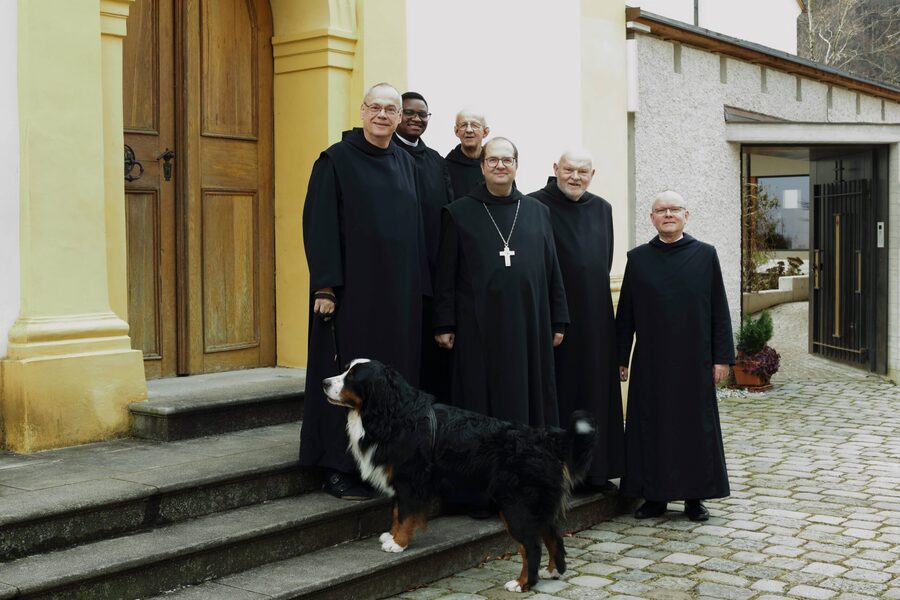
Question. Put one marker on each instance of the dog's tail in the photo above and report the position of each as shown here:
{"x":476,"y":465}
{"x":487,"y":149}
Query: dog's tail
{"x":581,"y":436}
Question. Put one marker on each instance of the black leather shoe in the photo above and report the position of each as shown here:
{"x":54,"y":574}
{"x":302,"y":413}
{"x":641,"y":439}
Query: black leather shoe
{"x":650,"y":509}
{"x":480,"y":512}
{"x":345,"y":486}
{"x":609,"y":488}
{"x":695,"y":510}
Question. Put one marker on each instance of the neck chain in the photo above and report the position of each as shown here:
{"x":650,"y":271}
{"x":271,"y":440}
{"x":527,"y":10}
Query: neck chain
{"x":506,"y":253}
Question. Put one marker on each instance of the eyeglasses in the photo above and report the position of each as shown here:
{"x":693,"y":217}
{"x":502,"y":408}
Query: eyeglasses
{"x":410,"y":113}
{"x":493,"y":161}
{"x":473,"y":125}
{"x":375,"y":109}
{"x":674,"y":210}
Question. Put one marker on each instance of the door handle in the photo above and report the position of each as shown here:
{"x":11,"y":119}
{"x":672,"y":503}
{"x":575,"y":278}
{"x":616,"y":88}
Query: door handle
{"x":130,"y":163}
{"x":166,"y":156}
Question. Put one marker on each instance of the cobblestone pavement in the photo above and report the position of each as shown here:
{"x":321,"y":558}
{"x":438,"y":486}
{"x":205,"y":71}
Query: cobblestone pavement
{"x":814,"y":513}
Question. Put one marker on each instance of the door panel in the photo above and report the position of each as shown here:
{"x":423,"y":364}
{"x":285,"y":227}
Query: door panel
{"x":230,"y":274}
{"x":149,"y":120}
{"x":228,"y":45}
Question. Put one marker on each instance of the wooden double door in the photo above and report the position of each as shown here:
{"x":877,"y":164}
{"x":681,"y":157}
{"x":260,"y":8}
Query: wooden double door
{"x":199,"y":205}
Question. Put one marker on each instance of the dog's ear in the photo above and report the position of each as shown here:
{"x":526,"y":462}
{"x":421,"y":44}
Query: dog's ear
{"x":382,"y":399}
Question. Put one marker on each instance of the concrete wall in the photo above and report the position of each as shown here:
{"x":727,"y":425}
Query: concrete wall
{"x":894,"y":264}
{"x":679,"y":133}
{"x":9,"y":173}
{"x":772,"y":23}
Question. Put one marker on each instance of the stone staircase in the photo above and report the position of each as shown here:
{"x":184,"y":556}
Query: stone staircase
{"x":225,"y":516}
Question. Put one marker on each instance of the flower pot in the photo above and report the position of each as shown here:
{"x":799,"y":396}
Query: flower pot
{"x":747,"y":379}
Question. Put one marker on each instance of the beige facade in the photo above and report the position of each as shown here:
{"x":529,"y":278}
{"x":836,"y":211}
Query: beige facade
{"x":70,"y":370}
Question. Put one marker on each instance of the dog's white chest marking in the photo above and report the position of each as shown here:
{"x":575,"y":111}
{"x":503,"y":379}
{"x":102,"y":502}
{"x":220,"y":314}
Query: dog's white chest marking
{"x":376,"y":475}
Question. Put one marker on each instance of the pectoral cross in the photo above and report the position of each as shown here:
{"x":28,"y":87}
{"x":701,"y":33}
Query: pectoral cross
{"x":506,"y":253}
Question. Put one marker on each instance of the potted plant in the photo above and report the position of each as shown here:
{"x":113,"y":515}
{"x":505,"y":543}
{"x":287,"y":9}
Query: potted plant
{"x":756,"y":360}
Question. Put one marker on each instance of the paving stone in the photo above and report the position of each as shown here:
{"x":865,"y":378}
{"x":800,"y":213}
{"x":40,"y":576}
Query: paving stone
{"x":814,"y":593}
{"x":590,"y":581}
{"x":632,"y":588}
{"x":867,"y":575}
{"x":723,"y":578}
{"x":826,"y":569}
{"x":633,"y":563}
{"x":550,"y":586}
{"x":768,"y":585}
{"x":598,"y":569}
{"x":684,"y":559}
{"x":717,"y":590}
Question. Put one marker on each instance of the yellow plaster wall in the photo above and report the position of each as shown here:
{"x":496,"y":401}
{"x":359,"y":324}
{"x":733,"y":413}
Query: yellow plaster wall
{"x":326,"y":53}
{"x":70,"y":371}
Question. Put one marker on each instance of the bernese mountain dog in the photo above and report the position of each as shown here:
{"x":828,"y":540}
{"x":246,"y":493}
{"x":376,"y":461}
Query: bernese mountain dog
{"x":406,"y":446}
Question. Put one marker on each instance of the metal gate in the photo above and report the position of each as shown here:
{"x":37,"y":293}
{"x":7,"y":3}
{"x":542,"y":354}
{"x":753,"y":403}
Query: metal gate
{"x":842,"y":273}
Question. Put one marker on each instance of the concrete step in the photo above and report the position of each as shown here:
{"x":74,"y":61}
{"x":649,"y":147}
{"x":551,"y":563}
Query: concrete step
{"x":60,"y":498}
{"x":362,"y":571}
{"x":186,"y":407}
{"x":149,"y":562}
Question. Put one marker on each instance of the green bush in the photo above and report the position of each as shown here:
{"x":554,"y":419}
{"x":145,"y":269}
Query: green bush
{"x":754,"y":333}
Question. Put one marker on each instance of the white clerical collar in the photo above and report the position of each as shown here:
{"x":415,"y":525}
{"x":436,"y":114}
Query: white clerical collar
{"x":681,"y":237}
{"x":405,"y":141}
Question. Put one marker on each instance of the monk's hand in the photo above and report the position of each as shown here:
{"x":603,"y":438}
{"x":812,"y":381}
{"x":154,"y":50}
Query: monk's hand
{"x":720,"y":372}
{"x":324,"y":303}
{"x":557,"y":339}
{"x":623,"y":373}
{"x":445,"y":340}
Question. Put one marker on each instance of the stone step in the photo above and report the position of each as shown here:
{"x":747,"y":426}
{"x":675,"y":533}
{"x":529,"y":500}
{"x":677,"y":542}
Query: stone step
{"x":200,"y":405}
{"x":362,"y":571}
{"x":60,"y":498}
{"x":149,"y":562}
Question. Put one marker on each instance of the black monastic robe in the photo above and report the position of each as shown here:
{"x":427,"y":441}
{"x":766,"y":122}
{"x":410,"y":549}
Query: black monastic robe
{"x":587,"y":372}
{"x":673,"y":301}
{"x":434,"y":191}
{"x":465,"y":172}
{"x":362,"y":230}
{"x":503,"y":317}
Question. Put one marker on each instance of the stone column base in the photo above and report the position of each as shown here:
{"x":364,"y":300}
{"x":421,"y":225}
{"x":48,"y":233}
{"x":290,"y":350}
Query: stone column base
{"x":68,"y":381}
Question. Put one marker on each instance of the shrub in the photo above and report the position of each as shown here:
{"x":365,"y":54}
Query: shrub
{"x":764,"y":363}
{"x":754,"y":333}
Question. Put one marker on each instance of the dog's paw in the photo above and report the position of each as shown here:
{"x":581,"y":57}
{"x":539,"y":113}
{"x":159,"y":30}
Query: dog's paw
{"x":513,"y":586}
{"x":392,"y":546}
{"x":386,"y":537}
{"x":548,"y":574}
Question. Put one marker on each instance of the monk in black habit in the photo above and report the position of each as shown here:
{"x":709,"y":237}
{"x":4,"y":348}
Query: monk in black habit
{"x":434,"y":191}
{"x":587,"y":374}
{"x":464,"y":161}
{"x":368,"y":272}
{"x":673,"y":299}
{"x":499,"y":297}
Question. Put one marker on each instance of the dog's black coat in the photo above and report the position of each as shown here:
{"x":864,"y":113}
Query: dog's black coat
{"x":527,"y":472}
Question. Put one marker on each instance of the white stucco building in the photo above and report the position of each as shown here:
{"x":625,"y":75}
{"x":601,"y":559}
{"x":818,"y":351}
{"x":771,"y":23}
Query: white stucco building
{"x":702,"y":105}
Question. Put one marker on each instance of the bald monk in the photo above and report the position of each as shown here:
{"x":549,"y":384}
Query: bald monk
{"x":587,"y":374}
{"x":464,"y":161}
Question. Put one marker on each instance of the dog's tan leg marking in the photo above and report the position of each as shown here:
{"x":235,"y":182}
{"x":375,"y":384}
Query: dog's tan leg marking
{"x":550,"y":572}
{"x":388,"y":536}
{"x":520,"y":584}
{"x":408,"y":528}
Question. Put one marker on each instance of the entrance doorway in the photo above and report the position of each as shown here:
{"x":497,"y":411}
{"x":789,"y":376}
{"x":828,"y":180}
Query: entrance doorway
{"x":827,"y":215}
{"x":199,"y":198}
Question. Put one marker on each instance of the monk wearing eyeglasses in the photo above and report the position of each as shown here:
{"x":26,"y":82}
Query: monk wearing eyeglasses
{"x":368,"y":272}
{"x":673,"y":301}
